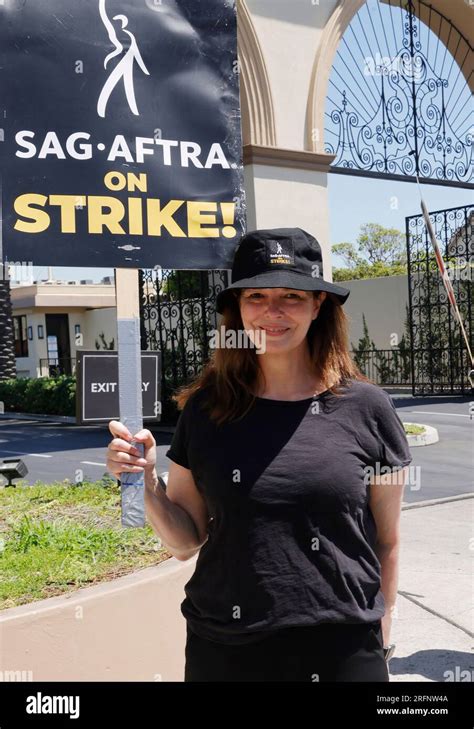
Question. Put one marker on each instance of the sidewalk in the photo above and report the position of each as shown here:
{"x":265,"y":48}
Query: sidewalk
{"x":433,"y":622}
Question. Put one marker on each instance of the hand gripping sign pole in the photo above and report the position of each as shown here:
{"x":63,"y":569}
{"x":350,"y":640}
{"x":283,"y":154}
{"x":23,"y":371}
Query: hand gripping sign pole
{"x":130,"y":388}
{"x":445,"y":278}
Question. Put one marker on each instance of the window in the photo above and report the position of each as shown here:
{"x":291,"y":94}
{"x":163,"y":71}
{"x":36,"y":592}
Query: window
{"x":21,"y":339}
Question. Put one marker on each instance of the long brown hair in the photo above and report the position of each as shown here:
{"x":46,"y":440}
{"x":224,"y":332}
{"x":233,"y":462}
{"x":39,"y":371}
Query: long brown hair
{"x":231,"y":374}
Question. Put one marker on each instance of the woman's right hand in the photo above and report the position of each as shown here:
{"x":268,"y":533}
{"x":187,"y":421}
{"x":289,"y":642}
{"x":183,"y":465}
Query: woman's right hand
{"x":123,"y":457}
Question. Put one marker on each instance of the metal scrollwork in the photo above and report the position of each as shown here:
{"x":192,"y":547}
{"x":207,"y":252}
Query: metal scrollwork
{"x":411,"y":95}
{"x":177,"y":316}
{"x":440,"y":361}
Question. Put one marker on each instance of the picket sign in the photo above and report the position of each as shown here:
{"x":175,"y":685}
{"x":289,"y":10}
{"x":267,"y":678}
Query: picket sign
{"x":90,"y":174}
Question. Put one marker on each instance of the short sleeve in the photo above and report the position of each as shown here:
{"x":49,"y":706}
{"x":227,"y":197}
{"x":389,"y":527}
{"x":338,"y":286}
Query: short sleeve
{"x":178,"y":450}
{"x":394,"y":450}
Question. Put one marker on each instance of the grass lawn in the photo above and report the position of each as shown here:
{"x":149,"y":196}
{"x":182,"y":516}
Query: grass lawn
{"x":412,"y":429}
{"x":55,"y":538}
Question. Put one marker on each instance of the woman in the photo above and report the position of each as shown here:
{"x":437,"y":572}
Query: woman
{"x":277,"y":479}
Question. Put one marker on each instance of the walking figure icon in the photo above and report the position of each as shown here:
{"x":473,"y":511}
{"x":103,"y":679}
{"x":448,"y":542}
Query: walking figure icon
{"x":125,"y":66}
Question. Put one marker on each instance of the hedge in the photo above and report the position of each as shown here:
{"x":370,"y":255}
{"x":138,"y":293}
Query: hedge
{"x":48,"y":395}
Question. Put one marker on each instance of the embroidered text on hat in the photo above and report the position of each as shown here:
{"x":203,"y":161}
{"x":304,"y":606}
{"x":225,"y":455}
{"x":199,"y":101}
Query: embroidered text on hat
{"x":280,"y":252}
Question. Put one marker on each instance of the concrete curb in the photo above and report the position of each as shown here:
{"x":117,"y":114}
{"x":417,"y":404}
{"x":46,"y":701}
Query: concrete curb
{"x":38,"y":416}
{"x":429,"y":437}
{"x":44,"y":634}
{"x":433,"y":502}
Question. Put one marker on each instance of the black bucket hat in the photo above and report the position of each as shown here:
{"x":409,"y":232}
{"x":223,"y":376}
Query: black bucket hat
{"x":279,"y":258}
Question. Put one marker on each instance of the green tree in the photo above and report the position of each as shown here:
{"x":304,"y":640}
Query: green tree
{"x":184,"y":285}
{"x":378,"y":252}
{"x":388,"y":367}
{"x":361,"y":351}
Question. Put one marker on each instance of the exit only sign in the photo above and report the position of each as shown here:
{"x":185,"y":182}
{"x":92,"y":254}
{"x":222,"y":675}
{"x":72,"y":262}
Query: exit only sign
{"x":97,"y":396}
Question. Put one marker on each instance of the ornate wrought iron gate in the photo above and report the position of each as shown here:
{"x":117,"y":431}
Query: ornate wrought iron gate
{"x":398,"y":84}
{"x":440,"y":361}
{"x":177,"y":316}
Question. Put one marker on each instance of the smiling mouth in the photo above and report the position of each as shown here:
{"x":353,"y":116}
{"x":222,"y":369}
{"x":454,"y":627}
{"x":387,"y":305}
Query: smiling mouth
{"x":275,"y":331}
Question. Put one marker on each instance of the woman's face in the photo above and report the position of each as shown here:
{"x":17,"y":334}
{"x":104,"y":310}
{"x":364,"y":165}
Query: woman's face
{"x":285,"y":315}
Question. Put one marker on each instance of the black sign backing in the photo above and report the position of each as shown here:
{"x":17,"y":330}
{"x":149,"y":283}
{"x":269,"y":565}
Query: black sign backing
{"x":121,"y":133}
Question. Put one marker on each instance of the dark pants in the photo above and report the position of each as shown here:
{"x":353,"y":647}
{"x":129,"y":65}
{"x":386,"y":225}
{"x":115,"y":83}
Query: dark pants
{"x":324,"y":652}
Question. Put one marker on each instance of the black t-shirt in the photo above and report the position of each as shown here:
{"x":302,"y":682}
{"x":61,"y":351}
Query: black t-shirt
{"x":291,"y":537}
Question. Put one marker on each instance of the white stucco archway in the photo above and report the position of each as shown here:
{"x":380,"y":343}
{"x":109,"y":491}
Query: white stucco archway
{"x":258,"y":118}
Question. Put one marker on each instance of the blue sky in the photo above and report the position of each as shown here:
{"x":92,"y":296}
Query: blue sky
{"x":355,"y":201}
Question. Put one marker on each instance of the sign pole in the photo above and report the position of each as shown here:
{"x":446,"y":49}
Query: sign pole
{"x":130,"y":387}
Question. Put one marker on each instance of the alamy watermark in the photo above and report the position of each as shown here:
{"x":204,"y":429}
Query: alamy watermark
{"x":461,"y":270}
{"x":224,"y":338}
{"x":412,"y":478}
{"x":16,"y":271}
{"x":378,"y":65}
{"x":13,"y":676}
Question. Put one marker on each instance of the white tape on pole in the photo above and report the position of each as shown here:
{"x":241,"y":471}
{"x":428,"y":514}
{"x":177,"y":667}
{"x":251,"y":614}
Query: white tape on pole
{"x":130,"y":388}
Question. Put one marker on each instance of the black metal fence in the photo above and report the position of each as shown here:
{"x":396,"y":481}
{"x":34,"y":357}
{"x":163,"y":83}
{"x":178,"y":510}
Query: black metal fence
{"x":440,"y":361}
{"x":385,"y":367}
{"x":177,"y":315}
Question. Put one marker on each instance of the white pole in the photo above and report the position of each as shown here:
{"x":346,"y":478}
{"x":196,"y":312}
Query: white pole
{"x":130,"y":387}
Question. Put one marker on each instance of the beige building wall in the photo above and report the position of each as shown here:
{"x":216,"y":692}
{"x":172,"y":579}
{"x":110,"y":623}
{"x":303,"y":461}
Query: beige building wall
{"x":383,"y":301}
{"x":92,"y":307}
{"x":96,"y":321}
{"x":91,"y":322}
{"x":25,"y":366}
{"x":273,"y":195}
